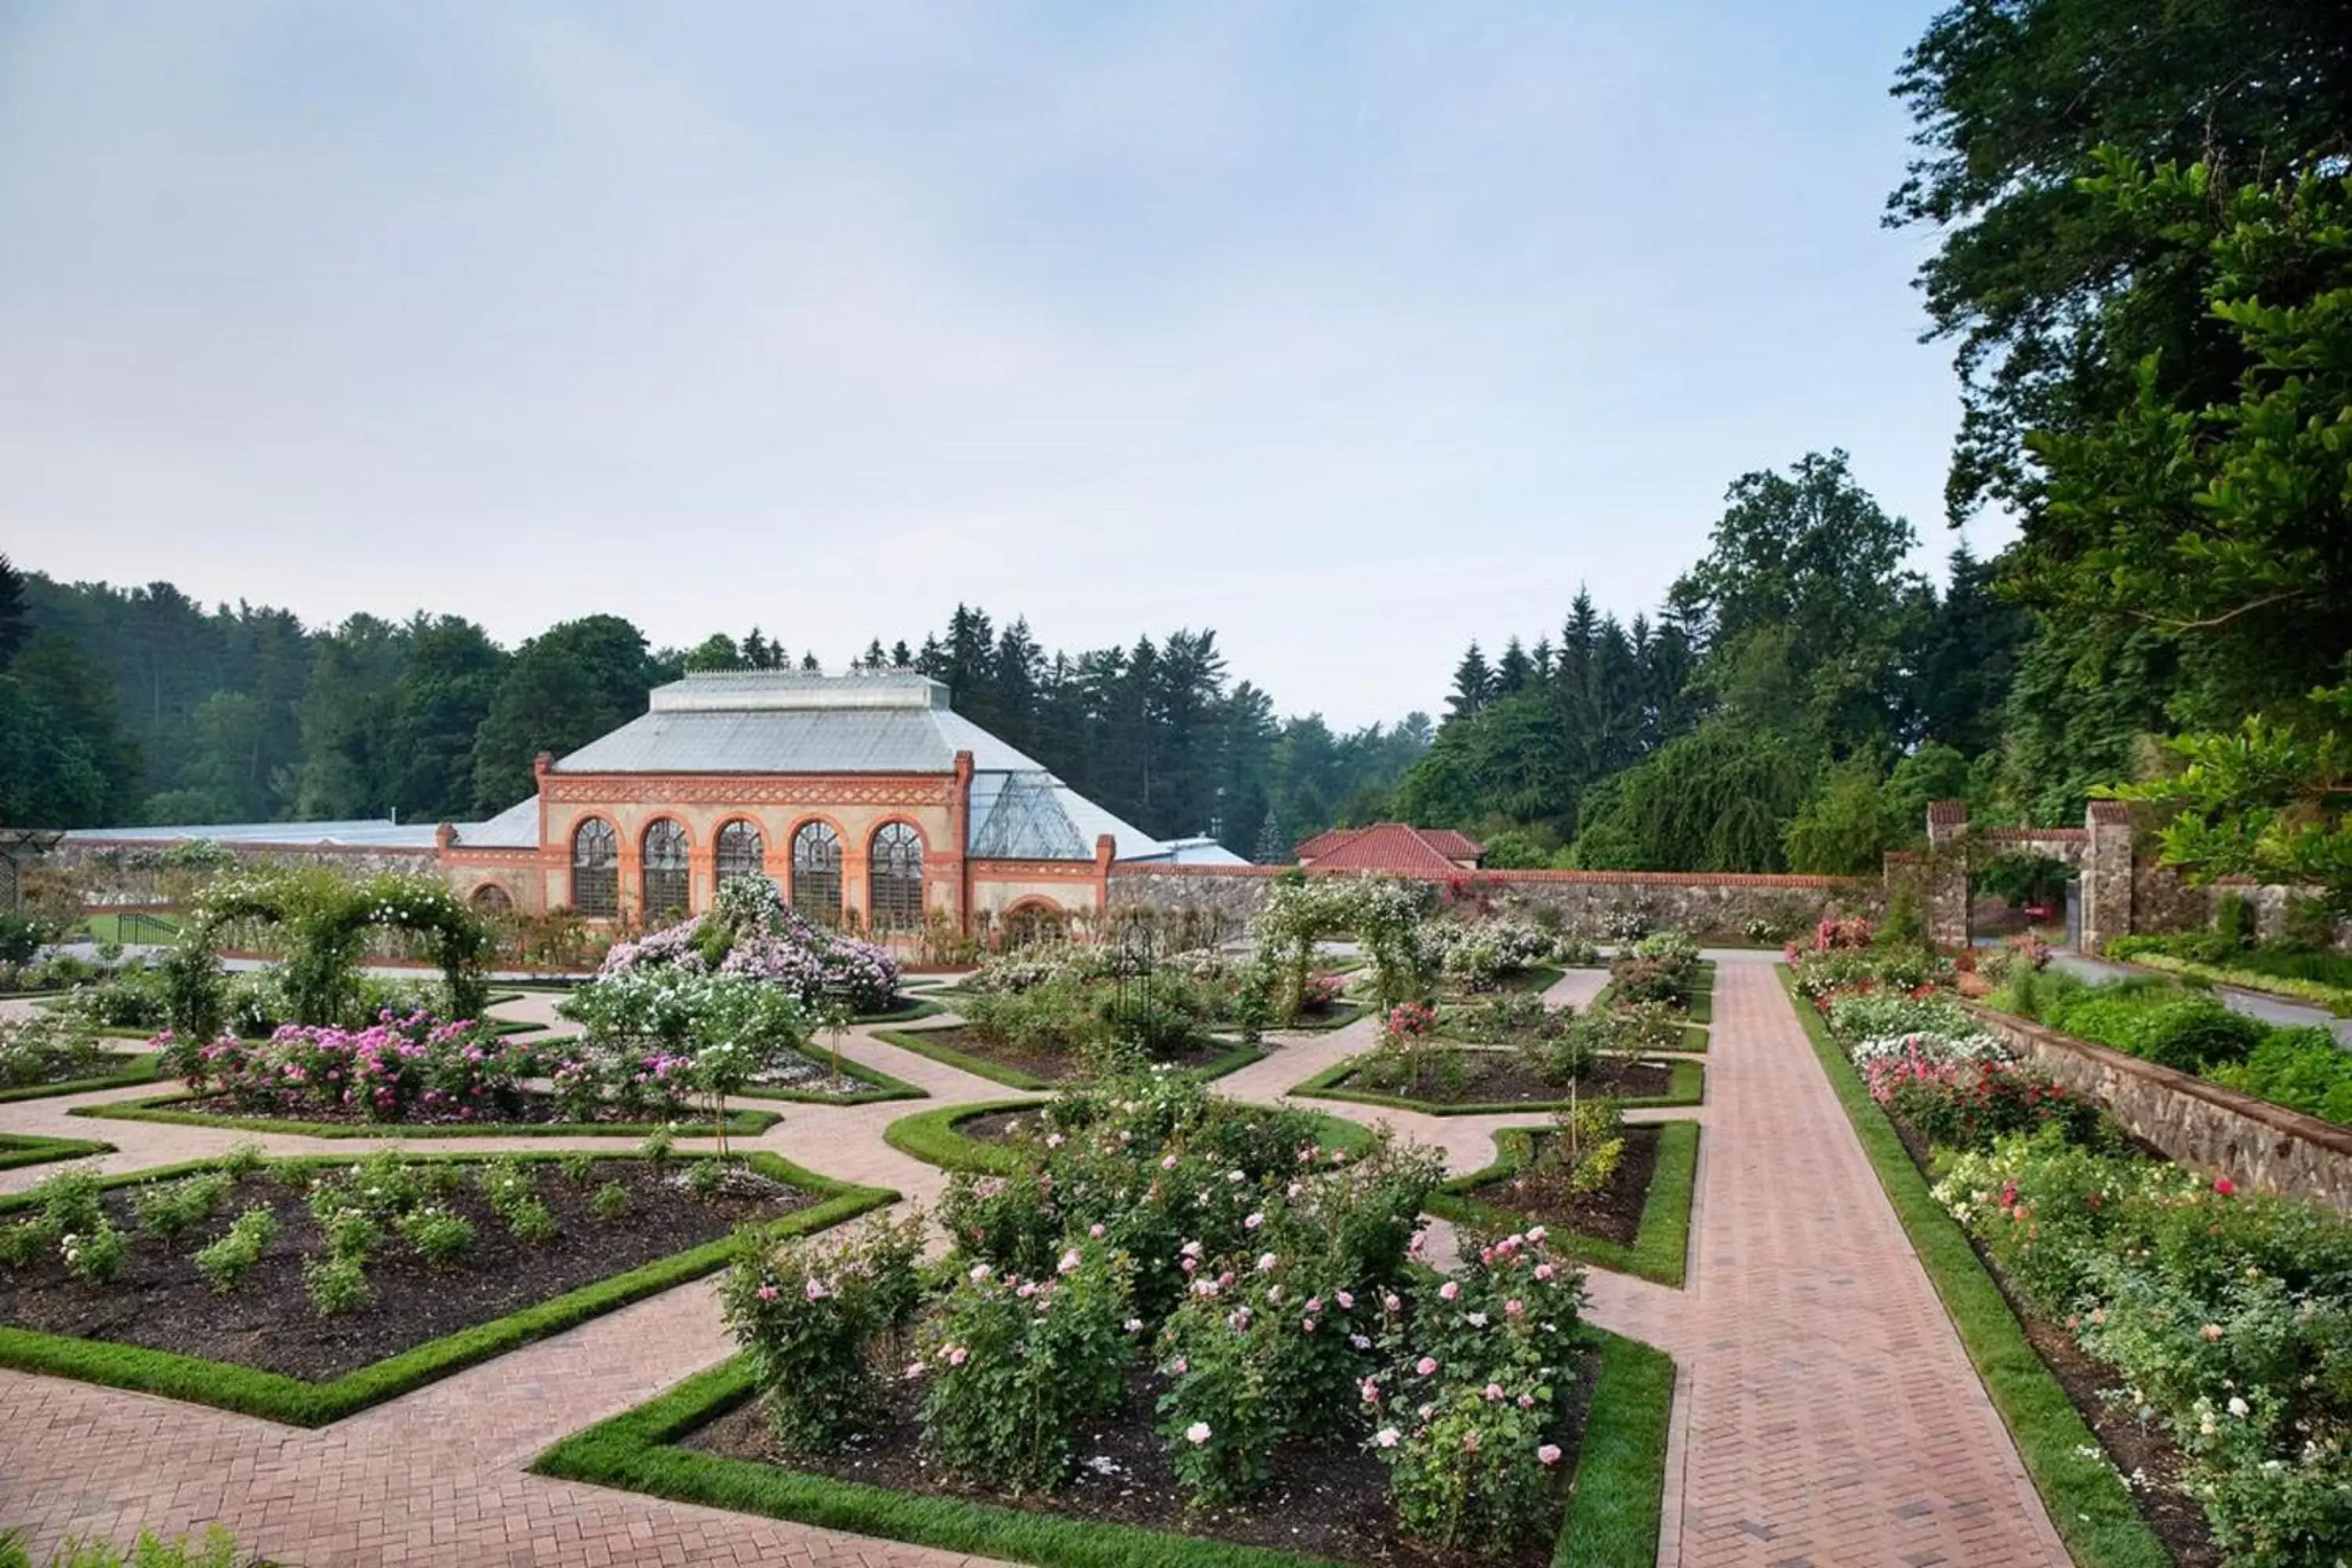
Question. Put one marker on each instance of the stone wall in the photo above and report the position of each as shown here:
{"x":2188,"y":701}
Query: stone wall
{"x":1697,"y":901}
{"x":133,"y":874}
{"x":2259,"y":1146}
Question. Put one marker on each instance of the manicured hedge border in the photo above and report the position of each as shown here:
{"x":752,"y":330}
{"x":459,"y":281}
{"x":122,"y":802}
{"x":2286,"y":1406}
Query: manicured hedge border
{"x":740,"y":1121}
{"x":1235,"y":1057}
{"x":931,"y":1136}
{"x":2087,"y":1498}
{"x":1661,"y":1246}
{"x":1612,"y":1522}
{"x":880,"y":1085}
{"x":143,"y":1068}
{"x":1686,"y":1087}
{"x":25,"y":1148}
{"x":253,"y":1392}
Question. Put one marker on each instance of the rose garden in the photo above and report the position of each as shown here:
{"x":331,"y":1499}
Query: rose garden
{"x":1401,"y":1229}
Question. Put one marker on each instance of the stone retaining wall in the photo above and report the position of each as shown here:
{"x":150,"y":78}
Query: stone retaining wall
{"x":1700,"y":901}
{"x":2259,"y":1146}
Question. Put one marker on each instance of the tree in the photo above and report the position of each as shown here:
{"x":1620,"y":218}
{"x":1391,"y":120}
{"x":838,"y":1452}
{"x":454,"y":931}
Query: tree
{"x":2014,"y":102}
{"x":345,"y":722}
{"x":1810,"y":561}
{"x":1961,"y":657}
{"x":48,"y":777}
{"x":14,"y":625}
{"x":565,"y":687}
{"x":446,"y":685}
{"x":717,"y":651}
{"x":1473,"y":684}
{"x":2222,"y":521}
{"x":54,"y":677}
{"x":1718,"y":800}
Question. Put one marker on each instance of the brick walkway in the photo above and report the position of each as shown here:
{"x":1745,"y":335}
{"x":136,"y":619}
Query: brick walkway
{"x":1825,"y":1412}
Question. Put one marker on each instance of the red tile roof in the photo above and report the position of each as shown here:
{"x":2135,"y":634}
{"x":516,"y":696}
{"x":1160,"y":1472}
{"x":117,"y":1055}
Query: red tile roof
{"x":1390,"y":847}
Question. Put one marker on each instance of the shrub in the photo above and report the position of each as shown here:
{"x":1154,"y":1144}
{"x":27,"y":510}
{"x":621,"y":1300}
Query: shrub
{"x":94,"y":1256}
{"x":1474,"y":1396}
{"x":437,"y":1235}
{"x":1014,"y":1364}
{"x":2303,"y":1068}
{"x":2181,"y":1029}
{"x":165,"y":1209}
{"x":47,"y":1048}
{"x":336,"y":1284}
{"x":68,"y":1201}
{"x":401,"y":1068}
{"x":751,"y":933}
{"x":813,"y":1326}
{"x":577,"y":1165}
{"x":530,"y":1223}
{"x":1881,"y":1015}
{"x":1586,"y":1142}
{"x":227,"y":1261}
{"x":610,"y":1202}
{"x":1967,"y":1103}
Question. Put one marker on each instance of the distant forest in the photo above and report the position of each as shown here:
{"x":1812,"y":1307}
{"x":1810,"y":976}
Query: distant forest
{"x":2143,"y":262}
{"x":139,"y":705}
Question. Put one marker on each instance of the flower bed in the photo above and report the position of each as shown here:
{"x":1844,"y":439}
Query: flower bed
{"x":751,"y":933}
{"x":1025,"y":1063}
{"x":2224,"y":1317}
{"x":305,"y":1288}
{"x":43,"y":1050}
{"x":23,"y":1148}
{"x":1474,"y":1081}
{"x":1639,"y":1223}
{"x":1194,"y":1297}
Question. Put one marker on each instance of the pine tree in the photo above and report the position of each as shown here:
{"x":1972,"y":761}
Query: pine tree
{"x":900,"y":658}
{"x":1514,"y":671}
{"x":1271,"y":849}
{"x":873,"y":657}
{"x":1473,"y":684}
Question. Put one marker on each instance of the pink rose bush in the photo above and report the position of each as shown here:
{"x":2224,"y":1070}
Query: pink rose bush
{"x":412,"y":1067}
{"x":750,"y":932}
{"x":805,"y":1321}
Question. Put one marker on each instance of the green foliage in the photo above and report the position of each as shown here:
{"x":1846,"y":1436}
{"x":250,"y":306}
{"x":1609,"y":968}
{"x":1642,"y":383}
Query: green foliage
{"x":2225,"y":1315}
{"x":336,"y":1284}
{"x":1013,"y":1366}
{"x":436,"y":1234}
{"x":227,"y":1261}
{"x":609,"y":1202}
{"x":2303,"y":1069}
{"x":218,"y":1550}
{"x":166,"y":1209}
{"x":817,"y":1326}
{"x":1719,"y":800}
{"x":48,"y":1047}
{"x":2186,"y":1030}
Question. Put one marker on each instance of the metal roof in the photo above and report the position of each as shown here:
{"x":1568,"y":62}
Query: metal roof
{"x":372,"y":832}
{"x":515,"y":828}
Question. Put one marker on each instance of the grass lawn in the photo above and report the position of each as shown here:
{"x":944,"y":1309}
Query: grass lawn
{"x":2087,"y":1498}
{"x":23,"y":1148}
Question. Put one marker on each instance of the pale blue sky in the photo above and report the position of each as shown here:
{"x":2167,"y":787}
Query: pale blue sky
{"x":1352,"y":330}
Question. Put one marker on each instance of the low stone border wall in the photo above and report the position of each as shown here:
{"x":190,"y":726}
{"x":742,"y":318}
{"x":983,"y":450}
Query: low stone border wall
{"x":2260,"y":1146}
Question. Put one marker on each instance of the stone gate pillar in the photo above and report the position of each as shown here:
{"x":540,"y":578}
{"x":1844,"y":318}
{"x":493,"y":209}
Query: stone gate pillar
{"x":2106,"y":874}
{"x":1948,"y":873}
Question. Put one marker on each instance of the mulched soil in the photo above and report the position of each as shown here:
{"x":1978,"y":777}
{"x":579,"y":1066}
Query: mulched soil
{"x":1504,"y":1077}
{"x":2177,"y":1520}
{"x":1329,"y":1502}
{"x":1001,"y":1126}
{"x":1058,"y":1067}
{"x":1612,"y":1213}
{"x":162,"y":1301}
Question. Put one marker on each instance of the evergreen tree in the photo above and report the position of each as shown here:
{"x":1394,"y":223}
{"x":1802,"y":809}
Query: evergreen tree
{"x":1473,"y":684}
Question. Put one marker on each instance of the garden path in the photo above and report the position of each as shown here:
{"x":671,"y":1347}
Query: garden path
{"x":1825,"y":1412}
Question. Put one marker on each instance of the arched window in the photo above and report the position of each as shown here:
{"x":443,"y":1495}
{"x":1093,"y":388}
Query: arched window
{"x":596,"y":869}
{"x":740,"y":852}
{"x":894,"y":878}
{"x":817,"y":873}
{"x":491,"y":900}
{"x":665,"y":885}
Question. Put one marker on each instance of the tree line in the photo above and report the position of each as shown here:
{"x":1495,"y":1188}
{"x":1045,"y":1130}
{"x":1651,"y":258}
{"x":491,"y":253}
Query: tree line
{"x":129,"y":705}
{"x":2142,"y":214}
